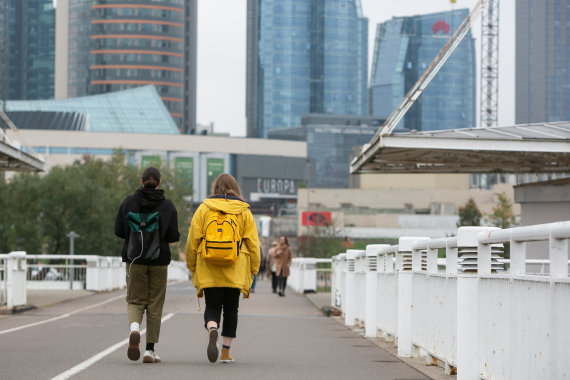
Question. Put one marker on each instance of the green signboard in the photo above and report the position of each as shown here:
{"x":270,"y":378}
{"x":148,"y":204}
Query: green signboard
{"x":214,"y":167}
{"x":147,"y":161}
{"x":184,"y":170}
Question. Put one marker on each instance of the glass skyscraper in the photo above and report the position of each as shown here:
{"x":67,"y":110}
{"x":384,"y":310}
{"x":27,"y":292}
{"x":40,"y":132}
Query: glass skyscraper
{"x":304,"y":56}
{"x":404,"y":49}
{"x":27,"y":56}
{"x":542,"y":61}
{"x":116,"y":45}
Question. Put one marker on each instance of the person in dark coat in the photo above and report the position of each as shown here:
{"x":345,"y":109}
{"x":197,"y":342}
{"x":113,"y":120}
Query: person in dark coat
{"x":284,"y":258}
{"x":147,"y":263}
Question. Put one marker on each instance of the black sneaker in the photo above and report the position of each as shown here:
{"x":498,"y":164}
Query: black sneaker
{"x":212,"y":350}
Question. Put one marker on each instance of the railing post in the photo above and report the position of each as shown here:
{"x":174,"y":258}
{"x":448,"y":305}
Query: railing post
{"x":16,"y":294}
{"x":334,"y":280}
{"x":92,"y":274}
{"x":518,"y":257}
{"x":372,"y":267}
{"x":310,"y":276}
{"x":417,"y":259}
{"x":432,"y":260}
{"x":341,"y":299}
{"x":451,"y":263}
{"x":349,"y":306}
{"x":475,"y":259}
{"x":404,"y":269}
{"x":558,"y":252}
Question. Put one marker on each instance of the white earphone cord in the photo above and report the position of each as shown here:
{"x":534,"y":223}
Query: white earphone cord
{"x":132,"y":262}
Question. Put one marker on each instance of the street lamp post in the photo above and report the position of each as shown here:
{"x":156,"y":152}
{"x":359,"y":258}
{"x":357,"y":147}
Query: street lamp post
{"x":72,"y":235}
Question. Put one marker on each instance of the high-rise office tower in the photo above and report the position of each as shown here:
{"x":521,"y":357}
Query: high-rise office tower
{"x":112,"y":45}
{"x":27,"y":49}
{"x":542,"y":61}
{"x":304,"y":56}
{"x":404,"y":49}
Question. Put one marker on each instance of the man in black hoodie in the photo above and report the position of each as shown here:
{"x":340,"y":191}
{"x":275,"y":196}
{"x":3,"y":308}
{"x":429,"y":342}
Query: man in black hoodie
{"x":148,"y":222}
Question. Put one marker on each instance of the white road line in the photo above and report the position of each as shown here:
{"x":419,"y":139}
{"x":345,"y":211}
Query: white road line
{"x":95,"y":358}
{"x":60,"y":316}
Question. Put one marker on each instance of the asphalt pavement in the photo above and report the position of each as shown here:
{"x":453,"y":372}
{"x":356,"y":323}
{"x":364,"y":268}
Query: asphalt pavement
{"x":278,"y":338}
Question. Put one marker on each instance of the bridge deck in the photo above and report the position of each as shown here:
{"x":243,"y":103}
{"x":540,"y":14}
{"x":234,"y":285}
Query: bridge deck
{"x":279,"y":338}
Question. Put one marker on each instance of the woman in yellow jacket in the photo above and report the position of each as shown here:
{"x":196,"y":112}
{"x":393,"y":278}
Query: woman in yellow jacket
{"x":221,"y":285}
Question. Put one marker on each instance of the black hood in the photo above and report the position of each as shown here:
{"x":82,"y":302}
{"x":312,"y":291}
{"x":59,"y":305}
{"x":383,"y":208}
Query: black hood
{"x":149,"y":197}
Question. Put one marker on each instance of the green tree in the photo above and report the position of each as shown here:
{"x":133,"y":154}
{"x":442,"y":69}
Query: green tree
{"x":321,"y":241}
{"x":469,"y":214}
{"x":83,"y":197}
{"x":502,"y":215}
{"x":22,"y":213}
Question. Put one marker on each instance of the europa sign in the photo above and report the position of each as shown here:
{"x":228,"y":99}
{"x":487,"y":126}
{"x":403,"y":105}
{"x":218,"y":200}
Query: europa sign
{"x":279,"y":186}
{"x":317,"y":218}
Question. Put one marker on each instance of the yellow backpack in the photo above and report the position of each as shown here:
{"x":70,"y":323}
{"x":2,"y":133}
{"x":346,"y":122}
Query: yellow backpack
{"x":222,"y":239}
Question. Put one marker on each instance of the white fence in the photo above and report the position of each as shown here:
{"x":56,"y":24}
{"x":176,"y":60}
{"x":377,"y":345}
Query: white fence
{"x":20,"y":272}
{"x":3,"y":288}
{"x":468,"y":313}
{"x":3,"y":280}
{"x":309,"y":275}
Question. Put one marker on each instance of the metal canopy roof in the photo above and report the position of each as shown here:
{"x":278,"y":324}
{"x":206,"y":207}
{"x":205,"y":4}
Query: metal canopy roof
{"x":527,"y":148}
{"x":14,"y":159}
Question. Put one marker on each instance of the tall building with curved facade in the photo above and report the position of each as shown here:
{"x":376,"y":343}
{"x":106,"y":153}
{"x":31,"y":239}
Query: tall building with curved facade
{"x":120,"y":44}
{"x":404,"y":49}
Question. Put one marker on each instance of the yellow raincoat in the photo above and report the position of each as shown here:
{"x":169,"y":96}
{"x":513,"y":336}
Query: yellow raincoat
{"x":238,"y":275}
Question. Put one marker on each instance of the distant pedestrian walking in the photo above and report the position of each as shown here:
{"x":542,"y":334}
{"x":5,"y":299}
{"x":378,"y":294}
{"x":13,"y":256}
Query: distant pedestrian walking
{"x":148,"y":222}
{"x":260,"y":272}
{"x":272,"y":264}
{"x":222,"y":252}
{"x":284,"y":258}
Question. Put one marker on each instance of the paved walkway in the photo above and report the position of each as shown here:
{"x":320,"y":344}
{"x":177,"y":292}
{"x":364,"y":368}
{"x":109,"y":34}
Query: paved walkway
{"x":278,"y":338}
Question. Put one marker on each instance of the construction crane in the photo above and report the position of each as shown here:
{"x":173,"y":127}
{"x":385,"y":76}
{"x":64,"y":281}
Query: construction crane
{"x":370,"y":149}
{"x":490,"y":65}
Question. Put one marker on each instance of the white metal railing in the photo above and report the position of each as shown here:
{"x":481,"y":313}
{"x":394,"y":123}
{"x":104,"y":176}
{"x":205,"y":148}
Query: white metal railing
{"x":20,"y":272}
{"x":478,"y":314}
{"x":3,"y":288}
{"x":56,"y":271}
{"x":309,"y":275}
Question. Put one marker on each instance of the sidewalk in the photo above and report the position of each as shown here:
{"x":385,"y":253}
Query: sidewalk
{"x":323,"y":300}
{"x":42,"y":298}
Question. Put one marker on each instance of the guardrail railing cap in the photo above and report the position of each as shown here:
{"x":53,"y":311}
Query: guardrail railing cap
{"x":467,"y":235}
{"x":18,"y":254}
{"x":405,"y":243}
{"x":374,"y":249}
{"x":354,"y":253}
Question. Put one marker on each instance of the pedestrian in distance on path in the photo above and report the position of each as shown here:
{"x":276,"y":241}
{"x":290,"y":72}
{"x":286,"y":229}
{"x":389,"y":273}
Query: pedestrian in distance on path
{"x":252,"y":289}
{"x":272,"y":264}
{"x":222,"y":253}
{"x":284,"y":258}
{"x":148,"y":221}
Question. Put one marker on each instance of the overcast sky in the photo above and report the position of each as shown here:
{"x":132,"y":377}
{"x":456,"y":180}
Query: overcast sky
{"x":221,"y":54}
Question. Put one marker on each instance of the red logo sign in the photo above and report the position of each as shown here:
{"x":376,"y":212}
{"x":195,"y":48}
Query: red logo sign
{"x":317,"y":218}
{"x":440,"y":26}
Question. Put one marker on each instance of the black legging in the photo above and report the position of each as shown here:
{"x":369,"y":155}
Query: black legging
{"x":274,"y":281}
{"x":226,"y":299}
{"x":282,"y":281}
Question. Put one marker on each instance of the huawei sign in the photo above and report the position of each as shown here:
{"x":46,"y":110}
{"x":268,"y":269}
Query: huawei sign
{"x":440,"y":26}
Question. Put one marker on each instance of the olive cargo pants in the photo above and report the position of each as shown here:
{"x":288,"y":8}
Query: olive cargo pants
{"x":146,"y":289}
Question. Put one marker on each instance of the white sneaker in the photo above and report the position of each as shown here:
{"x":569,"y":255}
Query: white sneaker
{"x":150,"y":357}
